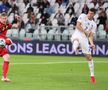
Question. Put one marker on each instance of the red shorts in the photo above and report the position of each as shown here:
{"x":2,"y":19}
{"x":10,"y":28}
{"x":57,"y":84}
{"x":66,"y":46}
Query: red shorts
{"x":3,"y":51}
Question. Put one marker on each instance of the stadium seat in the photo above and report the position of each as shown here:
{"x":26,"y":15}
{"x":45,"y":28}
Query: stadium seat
{"x":95,"y":18}
{"x":43,"y":32}
{"x":37,"y":10}
{"x":52,"y":10}
{"x":38,"y":15}
{"x":101,"y":32}
{"x":107,"y":36}
{"x":88,"y":1}
{"x":11,"y":18}
{"x":22,"y":34}
{"x":25,"y":18}
{"x":107,"y":12}
{"x":15,"y":33}
{"x":57,"y":35}
{"x":95,"y":36}
{"x":36,"y":34}
{"x":28,"y":26}
{"x":56,"y":7}
{"x":65,"y":35}
{"x":52,"y":17}
{"x":50,"y":35}
{"x":29,"y":35}
{"x":67,"y":19}
{"x":77,"y":7}
{"x":63,"y":9}
{"x":90,"y":5}
{"x":71,"y":29}
{"x":105,"y":5}
{"x":33,"y":2}
{"x":9,"y":33}
{"x":54,"y":22}
{"x":52,"y":2}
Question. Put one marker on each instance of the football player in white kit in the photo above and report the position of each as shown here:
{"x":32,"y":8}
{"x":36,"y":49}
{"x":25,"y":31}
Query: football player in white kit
{"x":83,"y":38}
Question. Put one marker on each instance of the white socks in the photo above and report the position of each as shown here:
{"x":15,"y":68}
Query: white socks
{"x":91,"y":67}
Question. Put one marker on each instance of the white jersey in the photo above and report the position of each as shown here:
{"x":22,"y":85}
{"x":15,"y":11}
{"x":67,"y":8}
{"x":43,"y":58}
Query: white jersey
{"x":82,"y":38}
{"x":86,"y":25}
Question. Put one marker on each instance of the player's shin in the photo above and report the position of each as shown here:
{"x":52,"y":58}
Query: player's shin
{"x":5,"y":68}
{"x":91,"y":67}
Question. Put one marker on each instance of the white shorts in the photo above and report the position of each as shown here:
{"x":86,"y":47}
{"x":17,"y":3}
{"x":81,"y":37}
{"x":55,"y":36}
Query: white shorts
{"x":83,"y":42}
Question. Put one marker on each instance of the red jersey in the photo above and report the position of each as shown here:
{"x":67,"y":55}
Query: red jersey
{"x":4,"y":28}
{"x":3,"y":31}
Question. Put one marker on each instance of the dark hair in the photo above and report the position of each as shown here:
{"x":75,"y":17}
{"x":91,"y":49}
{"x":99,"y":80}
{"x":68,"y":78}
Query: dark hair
{"x":92,"y":10}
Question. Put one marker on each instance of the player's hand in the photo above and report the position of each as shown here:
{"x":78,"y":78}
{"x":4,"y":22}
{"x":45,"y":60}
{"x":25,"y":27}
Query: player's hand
{"x":93,"y":47}
{"x":15,"y":26}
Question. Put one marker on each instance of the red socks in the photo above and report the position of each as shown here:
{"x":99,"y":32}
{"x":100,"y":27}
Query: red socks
{"x":5,"y":68}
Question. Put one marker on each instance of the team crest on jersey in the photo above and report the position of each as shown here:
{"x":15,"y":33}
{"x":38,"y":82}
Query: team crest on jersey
{"x":88,"y":23}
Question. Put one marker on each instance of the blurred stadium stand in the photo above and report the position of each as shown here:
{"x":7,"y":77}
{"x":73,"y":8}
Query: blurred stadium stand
{"x":53,"y":19}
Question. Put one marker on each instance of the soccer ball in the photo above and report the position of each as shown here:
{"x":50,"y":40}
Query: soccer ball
{"x":2,"y":42}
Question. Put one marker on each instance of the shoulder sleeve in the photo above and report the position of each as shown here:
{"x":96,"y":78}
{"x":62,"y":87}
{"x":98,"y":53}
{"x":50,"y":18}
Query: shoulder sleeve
{"x":81,"y":18}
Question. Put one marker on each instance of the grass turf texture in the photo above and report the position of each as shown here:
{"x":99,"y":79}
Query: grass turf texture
{"x":38,"y":73}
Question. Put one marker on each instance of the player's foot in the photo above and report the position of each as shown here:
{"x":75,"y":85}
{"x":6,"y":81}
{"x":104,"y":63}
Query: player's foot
{"x":5,"y":79}
{"x":93,"y":81}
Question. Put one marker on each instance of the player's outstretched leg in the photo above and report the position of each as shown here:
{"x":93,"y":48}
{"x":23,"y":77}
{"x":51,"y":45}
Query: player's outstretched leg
{"x":91,"y":68}
{"x":5,"y":68}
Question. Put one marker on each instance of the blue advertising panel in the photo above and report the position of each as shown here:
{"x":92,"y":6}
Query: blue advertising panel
{"x":52,"y":48}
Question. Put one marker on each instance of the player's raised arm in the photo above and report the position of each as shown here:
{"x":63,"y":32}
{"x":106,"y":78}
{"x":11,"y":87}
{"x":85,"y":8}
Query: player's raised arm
{"x":79,"y":25}
{"x":91,"y":35}
{"x":91,"y":40}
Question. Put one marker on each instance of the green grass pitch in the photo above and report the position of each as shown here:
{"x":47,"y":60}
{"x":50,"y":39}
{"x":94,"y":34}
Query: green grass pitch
{"x":32,"y":72}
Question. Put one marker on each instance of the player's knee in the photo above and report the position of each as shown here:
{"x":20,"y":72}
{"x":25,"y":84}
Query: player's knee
{"x":89,"y":57}
{"x":6,"y":57}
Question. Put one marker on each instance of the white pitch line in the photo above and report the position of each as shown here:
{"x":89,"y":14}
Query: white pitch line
{"x":62,"y":62}
{"x":59,"y":62}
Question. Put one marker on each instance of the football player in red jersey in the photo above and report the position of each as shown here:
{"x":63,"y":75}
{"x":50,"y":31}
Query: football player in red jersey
{"x":4,"y":26}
